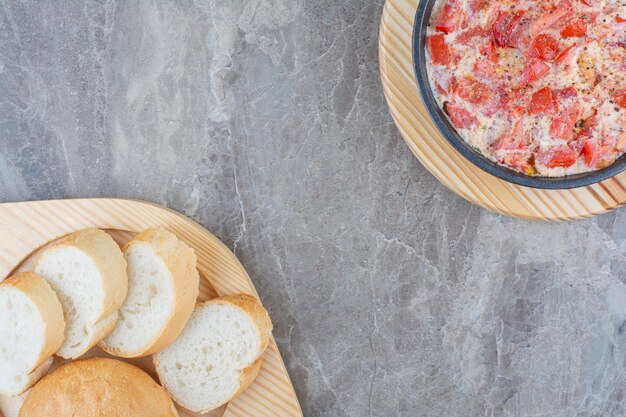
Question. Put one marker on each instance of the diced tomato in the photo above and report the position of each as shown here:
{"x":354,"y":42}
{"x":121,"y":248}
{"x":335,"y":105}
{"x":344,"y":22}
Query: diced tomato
{"x":557,"y":156}
{"x":588,"y":142}
{"x":473,"y":91}
{"x":586,"y":3}
{"x":575,"y":30}
{"x":468,"y":35}
{"x":542,"y":102}
{"x":569,"y":92}
{"x":590,"y":152}
{"x":577,"y":145}
{"x":439,"y":50}
{"x":544,"y":47}
{"x":564,"y":5}
{"x":620,"y":99}
{"x":619,"y":19}
{"x":561,"y":13}
{"x":513,"y":141}
{"x":562,"y":126}
{"x":590,"y":148}
{"x":485,"y":66}
{"x":439,"y":88}
{"x":489,"y":52}
{"x":506,"y":29}
{"x":590,"y":123}
{"x":564,"y":53}
{"x":508,"y":142}
{"x":476,"y":5}
{"x":535,"y":69}
{"x":461,"y":118}
{"x":449,"y":18}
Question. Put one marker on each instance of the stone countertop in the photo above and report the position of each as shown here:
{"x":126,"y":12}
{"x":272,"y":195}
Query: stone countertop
{"x":265,"y":122}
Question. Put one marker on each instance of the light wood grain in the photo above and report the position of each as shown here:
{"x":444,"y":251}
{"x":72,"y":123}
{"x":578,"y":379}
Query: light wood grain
{"x":445,"y":163}
{"x":26,"y":228}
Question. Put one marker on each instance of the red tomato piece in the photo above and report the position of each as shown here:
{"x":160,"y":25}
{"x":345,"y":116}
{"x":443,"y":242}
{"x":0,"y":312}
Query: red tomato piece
{"x":544,"y":47}
{"x":557,"y":156}
{"x":620,"y":99}
{"x":542,"y":102}
{"x":535,"y":69}
{"x":513,"y":141}
{"x":440,"y":89}
{"x":489,"y":52}
{"x":508,"y":143}
{"x":505,"y":29}
{"x":590,"y":152}
{"x":564,"y":53}
{"x":619,"y":19}
{"x":485,"y":67}
{"x":476,"y":5}
{"x":577,"y":146}
{"x":569,"y":92}
{"x":561,"y":13}
{"x":449,"y":19}
{"x":587,"y":142}
{"x":439,"y":50}
{"x":586,"y":3}
{"x":575,"y":30}
{"x":470,"y":34}
{"x":473,"y":91}
{"x":562,"y":126}
{"x":461,"y":118}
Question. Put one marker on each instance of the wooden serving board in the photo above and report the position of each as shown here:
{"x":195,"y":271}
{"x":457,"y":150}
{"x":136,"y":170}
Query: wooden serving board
{"x":26,"y":228}
{"x":445,"y":163}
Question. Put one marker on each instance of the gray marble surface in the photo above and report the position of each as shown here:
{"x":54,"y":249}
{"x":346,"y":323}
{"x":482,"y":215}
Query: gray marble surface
{"x":264,"y":120}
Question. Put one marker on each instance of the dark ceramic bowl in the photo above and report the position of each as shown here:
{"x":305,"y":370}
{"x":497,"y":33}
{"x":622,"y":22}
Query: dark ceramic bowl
{"x":447,"y":130}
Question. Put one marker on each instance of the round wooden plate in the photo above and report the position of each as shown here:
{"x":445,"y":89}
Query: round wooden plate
{"x":27,"y":228}
{"x":445,"y":163}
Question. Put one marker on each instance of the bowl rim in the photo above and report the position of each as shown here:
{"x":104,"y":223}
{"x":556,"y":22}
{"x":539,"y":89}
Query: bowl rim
{"x":418,"y":53}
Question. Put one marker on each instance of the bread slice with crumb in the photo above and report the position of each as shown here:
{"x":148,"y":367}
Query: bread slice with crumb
{"x":31,"y":330}
{"x":88,"y":273}
{"x":217,"y":355}
{"x":162,"y":291}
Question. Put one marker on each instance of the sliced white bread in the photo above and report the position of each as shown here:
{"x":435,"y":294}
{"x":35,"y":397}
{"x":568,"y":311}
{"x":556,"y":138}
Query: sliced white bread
{"x":162,"y":291}
{"x":88,"y":273}
{"x":31,"y":330}
{"x":218,"y":353}
{"x":98,"y":387}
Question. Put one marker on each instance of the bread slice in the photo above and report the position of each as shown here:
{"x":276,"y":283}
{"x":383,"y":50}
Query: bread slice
{"x":88,"y":272}
{"x":31,"y":330}
{"x":218,"y":353}
{"x":98,"y":387}
{"x":162,"y":291}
